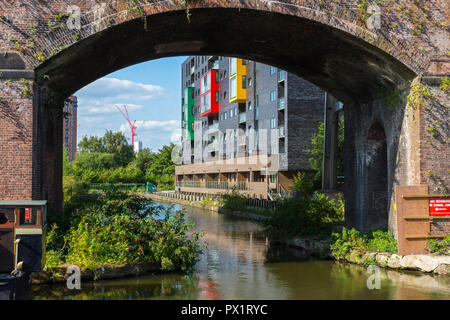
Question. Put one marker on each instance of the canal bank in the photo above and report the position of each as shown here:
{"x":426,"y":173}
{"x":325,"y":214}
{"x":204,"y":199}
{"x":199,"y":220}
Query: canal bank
{"x":319,"y":248}
{"x":240,"y":263}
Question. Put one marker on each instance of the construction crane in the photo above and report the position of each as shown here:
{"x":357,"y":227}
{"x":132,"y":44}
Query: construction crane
{"x":132,"y":125}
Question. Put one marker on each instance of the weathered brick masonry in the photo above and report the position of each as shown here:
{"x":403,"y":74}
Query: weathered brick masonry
{"x":325,"y":42}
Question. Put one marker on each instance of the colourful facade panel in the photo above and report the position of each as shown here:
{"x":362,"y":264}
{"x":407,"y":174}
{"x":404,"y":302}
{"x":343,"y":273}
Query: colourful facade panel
{"x":209,"y":94}
{"x":238,"y":80}
{"x":188,"y":114}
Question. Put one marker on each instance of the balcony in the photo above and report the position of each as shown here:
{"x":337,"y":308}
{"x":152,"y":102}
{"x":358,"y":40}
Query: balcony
{"x":282,"y":75}
{"x":213,"y":128}
{"x":218,"y":185}
{"x":242,"y":117}
{"x":281,"y":103}
{"x":209,"y":90}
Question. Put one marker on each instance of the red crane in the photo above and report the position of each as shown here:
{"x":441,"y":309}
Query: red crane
{"x":132,"y":125}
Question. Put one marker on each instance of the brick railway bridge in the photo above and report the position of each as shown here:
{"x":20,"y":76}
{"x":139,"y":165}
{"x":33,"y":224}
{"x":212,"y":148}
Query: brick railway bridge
{"x":388,"y":76}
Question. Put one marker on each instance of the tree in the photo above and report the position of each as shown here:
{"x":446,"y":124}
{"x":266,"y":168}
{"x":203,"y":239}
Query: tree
{"x":143,"y":159}
{"x":161,"y":169}
{"x":112,"y":142}
{"x":316,"y":151}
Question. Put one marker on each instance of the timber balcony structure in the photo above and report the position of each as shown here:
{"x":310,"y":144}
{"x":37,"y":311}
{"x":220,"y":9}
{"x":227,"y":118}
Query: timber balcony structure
{"x":253,"y":176}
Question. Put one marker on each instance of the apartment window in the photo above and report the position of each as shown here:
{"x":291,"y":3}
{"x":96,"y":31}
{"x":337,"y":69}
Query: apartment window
{"x":233,"y":66}
{"x":244,"y":82}
{"x":233,"y":92}
{"x":256,"y":101}
{"x":250,"y":81}
{"x":224,"y":95}
{"x":225,"y":116}
{"x":249,"y":107}
{"x":231,"y":113}
{"x":273,"y":123}
{"x":273,"y":70}
{"x":217,"y":96}
{"x":273,"y":95}
{"x":206,"y":83}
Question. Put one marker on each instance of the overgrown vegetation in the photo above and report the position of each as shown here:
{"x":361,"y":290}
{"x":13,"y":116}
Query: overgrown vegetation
{"x":316,"y":153}
{"x":441,"y":247}
{"x":234,"y":201}
{"x":304,"y":216}
{"x":110,"y":159}
{"x":352,"y":240}
{"x":118,"y":228}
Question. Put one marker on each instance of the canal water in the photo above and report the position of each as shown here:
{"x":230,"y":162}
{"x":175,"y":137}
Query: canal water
{"x":239,"y":263}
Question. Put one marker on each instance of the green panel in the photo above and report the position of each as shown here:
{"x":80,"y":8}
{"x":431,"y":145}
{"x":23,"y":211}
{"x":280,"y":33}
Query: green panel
{"x":188,"y":116}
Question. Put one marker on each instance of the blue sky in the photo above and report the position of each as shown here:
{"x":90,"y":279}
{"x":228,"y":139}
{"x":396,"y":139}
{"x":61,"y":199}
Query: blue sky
{"x":152,"y":93}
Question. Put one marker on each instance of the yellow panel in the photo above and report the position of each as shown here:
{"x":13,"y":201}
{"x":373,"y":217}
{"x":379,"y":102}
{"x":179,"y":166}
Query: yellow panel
{"x":241,"y":72}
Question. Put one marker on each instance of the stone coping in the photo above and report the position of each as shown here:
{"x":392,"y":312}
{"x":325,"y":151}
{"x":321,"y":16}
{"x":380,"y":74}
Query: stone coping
{"x":428,"y":263}
{"x":113,"y":271}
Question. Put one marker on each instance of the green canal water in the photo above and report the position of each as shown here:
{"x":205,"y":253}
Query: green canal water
{"x":239,"y":263}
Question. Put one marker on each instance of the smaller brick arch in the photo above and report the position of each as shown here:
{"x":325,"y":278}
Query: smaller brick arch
{"x":377,"y":178}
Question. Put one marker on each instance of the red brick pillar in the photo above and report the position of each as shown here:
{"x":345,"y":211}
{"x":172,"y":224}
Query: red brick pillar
{"x":16,"y":136}
{"x":30,"y":141}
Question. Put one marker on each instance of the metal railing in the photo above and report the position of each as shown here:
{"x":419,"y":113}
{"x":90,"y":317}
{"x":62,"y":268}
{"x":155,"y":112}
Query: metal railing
{"x":222,"y":185}
{"x":281,"y":103}
{"x":242,"y":117}
{"x":281,"y":132}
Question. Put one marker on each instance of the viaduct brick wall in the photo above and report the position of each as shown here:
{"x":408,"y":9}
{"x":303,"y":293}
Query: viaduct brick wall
{"x":326,"y":42}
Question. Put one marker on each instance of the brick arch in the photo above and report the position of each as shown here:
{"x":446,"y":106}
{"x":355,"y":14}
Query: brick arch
{"x":324,"y":42}
{"x":333,"y":34}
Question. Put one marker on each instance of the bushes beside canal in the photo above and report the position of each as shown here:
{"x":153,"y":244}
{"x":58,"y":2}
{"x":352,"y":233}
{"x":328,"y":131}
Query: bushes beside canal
{"x":116,"y":229}
{"x":304,"y":216}
{"x":349,"y":240}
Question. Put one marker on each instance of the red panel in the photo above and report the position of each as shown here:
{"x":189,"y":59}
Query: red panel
{"x":213,"y":91}
{"x":439,"y":207}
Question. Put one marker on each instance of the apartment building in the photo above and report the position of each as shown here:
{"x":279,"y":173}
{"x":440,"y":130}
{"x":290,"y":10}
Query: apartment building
{"x":70,"y":127}
{"x":246,"y":126}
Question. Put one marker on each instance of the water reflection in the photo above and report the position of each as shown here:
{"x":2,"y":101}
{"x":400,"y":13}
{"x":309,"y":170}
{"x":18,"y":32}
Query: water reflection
{"x":238,"y":263}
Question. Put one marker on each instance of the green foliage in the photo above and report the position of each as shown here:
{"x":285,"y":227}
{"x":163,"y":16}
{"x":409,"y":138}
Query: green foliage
{"x":347,"y":241}
{"x":122,"y":229}
{"x":382,"y":241}
{"x":419,"y":94}
{"x":316,"y":152}
{"x":113,"y":143}
{"x":303,"y":216}
{"x":234,"y":201}
{"x":445,"y":84}
{"x":161,"y":169}
{"x":352,"y":240}
{"x":440,"y":247}
{"x":94,"y":161}
{"x":305,"y":183}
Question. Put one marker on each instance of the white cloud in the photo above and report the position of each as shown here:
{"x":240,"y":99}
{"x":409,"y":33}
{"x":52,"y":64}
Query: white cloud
{"x":99,"y":108}
{"x":153,"y":125}
{"x":112,"y":90}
